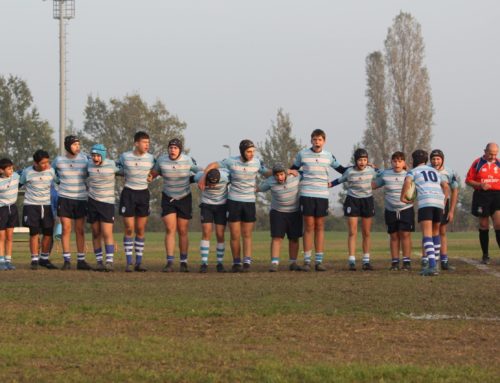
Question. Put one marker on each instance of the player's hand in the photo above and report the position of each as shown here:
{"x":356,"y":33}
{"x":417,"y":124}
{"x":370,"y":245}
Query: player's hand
{"x":201,"y":182}
{"x":451,"y":215}
{"x":150,"y":177}
{"x":293,"y":172}
{"x":485,"y":186}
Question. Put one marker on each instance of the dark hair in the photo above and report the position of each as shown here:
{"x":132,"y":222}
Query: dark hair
{"x":5,"y":163}
{"x":419,"y":156}
{"x":213,"y":176}
{"x":39,"y":155}
{"x":140,"y":136}
{"x":398,"y":156}
{"x":360,"y":153}
{"x":318,"y":132}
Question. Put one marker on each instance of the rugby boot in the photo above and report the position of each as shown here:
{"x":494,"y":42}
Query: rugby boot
{"x":486,"y":259}
{"x":140,"y":268}
{"x":47,"y":264}
{"x":319,"y":267}
{"x":203,"y":268}
{"x":66,"y":265}
{"x":83,"y":265}
{"x":183,"y":267}
{"x":274,"y":268}
{"x":352,"y":266}
{"x":220,"y":268}
{"x":9,"y":266}
{"x":129,"y":268}
{"x":169,"y":267}
{"x":34,"y":265}
{"x":306,"y":267}
{"x":108,"y":267}
{"x":429,"y":272}
{"x":100,"y":267}
{"x":294,"y":266}
{"x":246,"y":268}
{"x":236,"y":268}
{"x":367,"y":266}
{"x":407,"y":266}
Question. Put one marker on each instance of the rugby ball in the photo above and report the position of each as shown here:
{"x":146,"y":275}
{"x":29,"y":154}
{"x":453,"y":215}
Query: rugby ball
{"x":411,"y":192}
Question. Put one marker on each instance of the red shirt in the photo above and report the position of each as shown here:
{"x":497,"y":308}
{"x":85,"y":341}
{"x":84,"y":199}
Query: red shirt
{"x":485,"y":172}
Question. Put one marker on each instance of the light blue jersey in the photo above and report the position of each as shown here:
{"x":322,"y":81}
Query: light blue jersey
{"x":315,"y":172}
{"x":136,"y":169}
{"x":359,"y":182}
{"x":428,"y":184}
{"x":242,"y":175}
{"x":9,"y":187}
{"x":72,"y":174}
{"x":101,"y":181}
{"x":176,"y":175}
{"x":393,"y":184}
{"x":449,"y":176}
{"x":37,"y":185}
{"x":216,"y":195}
{"x":285,"y":196}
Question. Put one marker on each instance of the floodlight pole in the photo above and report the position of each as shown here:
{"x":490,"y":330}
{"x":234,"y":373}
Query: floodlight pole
{"x":62,"y":81}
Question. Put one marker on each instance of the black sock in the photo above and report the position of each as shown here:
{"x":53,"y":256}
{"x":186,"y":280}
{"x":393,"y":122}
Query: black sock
{"x":497,"y":232}
{"x":484,"y":239}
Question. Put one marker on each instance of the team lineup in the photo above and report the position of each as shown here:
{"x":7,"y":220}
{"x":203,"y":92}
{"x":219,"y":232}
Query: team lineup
{"x":78,"y":188}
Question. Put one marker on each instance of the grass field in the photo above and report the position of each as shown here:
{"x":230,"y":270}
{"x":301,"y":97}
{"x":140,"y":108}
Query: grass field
{"x":336,"y":326}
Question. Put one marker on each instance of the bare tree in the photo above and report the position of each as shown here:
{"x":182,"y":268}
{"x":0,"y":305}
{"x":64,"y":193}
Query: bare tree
{"x":377,"y":138}
{"x":410,"y":106}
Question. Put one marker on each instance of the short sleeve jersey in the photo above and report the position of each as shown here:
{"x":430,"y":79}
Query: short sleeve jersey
{"x":72,"y":174}
{"x":428,"y":184}
{"x":315,"y":172}
{"x":176,"y":175}
{"x":37,"y":185}
{"x":216,"y":195}
{"x":359,"y":182}
{"x":136,"y":169}
{"x":101,"y":181}
{"x":285,"y":196}
{"x":449,"y":176}
{"x":9,"y":187}
{"x":392,"y":182}
{"x":242,"y":175}
{"x":485,"y":172}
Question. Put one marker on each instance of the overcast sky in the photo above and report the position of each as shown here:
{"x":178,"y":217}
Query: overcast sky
{"x":226,"y":66}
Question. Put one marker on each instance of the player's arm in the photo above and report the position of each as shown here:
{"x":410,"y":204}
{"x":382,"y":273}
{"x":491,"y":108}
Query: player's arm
{"x":202,"y":180}
{"x":404,"y":190}
{"x":446,"y":189}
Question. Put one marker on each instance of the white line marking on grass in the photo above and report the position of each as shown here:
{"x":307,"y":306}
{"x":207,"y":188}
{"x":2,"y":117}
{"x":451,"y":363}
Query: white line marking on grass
{"x":481,"y":267}
{"x":448,"y":317}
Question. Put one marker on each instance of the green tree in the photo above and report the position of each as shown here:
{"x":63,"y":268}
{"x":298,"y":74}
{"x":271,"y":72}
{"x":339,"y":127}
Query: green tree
{"x":114,"y":124}
{"x":22,"y":130}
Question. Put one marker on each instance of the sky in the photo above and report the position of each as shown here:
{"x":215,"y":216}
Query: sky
{"x":226,"y":66}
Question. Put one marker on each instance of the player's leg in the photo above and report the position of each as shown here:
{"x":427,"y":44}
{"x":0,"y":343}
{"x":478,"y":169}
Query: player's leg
{"x":394,"y":245}
{"x":405,"y":238}
{"x":366,"y":228}
{"x":2,"y":250}
{"x":206,"y":234}
{"x":170,"y":222}
{"x":496,"y":224}
{"x":109,"y":244}
{"x":34,"y":247}
{"x":128,"y":240}
{"x":66,"y":225}
{"x":47,"y":230}
{"x":436,"y":238}
{"x":235,"y":244}
{"x":308,"y":240}
{"x":140,"y":237}
{"x":275,"y":253}
{"x":97,"y":244}
{"x":246,"y":234}
{"x":220,"y":247}
{"x":352,"y":233}
{"x":183,"y":231}
{"x":80,"y":244}
{"x":429,"y":257}
{"x":9,"y":240}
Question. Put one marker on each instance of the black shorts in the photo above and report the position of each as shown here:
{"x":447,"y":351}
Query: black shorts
{"x":9,"y":217}
{"x":286,"y":223}
{"x":240,"y":211}
{"x":38,"y":217}
{"x":315,"y":207}
{"x":100,"y":211}
{"x":433,"y":214}
{"x":134,"y":203}
{"x":71,"y":208}
{"x":485,"y":203}
{"x":405,"y":221}
{"x":359,"y":207}
{"x":182,"y":207}
{"x":213,"y":213}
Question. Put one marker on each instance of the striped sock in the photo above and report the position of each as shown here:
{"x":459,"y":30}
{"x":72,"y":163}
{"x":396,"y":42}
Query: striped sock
{"x":318,"y":258}
{"x":128,"y":248}
{"x":443,"y":257}
{"x":34,"y":257}
{"x":204,"y":251}
{"x":395,"y":261}
{"x":183,"y":258}
{"x":220,"y":252}
{"x":437,"y":246}
{"x":80,"y":257}
{"x":139,"y":250}
{"x":275,"y":260}
{"x":170,"y":259}
{"x":366,"y":258}
{"x":237,"y":261}
{"x":406,"y":259}
{"x":428,"y":245}
{"x":352,"y":259}
{"x":110,"y":253}
{"x":44,"y":256}
{"x":98,"y":254}
{"x":247,"y":260}
{"x":307,"y":256}
{"x":8,"y":258}
{"x":67,"y":257}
